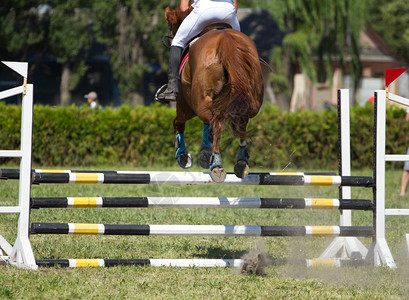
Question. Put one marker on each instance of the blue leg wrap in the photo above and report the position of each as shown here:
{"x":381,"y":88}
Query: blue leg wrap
{"x":180,"y":144}
{"x":206,"y":141}
{"x":215,"y":161}
{"x":243,"y":154}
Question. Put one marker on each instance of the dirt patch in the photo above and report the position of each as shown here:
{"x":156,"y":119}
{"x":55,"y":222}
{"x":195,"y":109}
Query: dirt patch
{"x":256,"y":260}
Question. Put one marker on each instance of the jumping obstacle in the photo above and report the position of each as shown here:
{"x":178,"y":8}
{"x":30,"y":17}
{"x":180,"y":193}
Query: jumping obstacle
{"x":222,"y":263}
{"x":143,"y":177}
{"x":135,"y":177}
{"x":201,"y":202}
{"x":6,"y":174}
{"x":346,"y":234}
{"x":202,"y":230}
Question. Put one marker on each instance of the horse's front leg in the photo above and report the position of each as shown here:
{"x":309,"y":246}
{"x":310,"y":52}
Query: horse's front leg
{"x":185,"y":160}
{"x":216,"y":166}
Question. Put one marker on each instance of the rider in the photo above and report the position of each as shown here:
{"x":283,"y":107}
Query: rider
{"x":205,"y":12}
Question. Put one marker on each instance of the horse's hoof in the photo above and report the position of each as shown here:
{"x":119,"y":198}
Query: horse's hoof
{"x":205,"y":156}
{"x":185,"y":160}
{"x":219,"y":175}
{"x":241,"y":169}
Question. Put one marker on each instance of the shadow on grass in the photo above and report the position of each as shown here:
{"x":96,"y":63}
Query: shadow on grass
{"x":217,"y":252}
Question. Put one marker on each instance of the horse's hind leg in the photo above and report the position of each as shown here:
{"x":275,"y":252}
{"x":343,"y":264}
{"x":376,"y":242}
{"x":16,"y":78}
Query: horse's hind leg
{"x":218,"y":173}
{"x":241,"y":168}
{"x":185,"y":160}
{"x":206,"y":148}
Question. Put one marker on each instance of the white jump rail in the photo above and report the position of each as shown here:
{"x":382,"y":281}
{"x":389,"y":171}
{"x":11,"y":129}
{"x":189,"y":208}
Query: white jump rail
{"x":21,"y":253}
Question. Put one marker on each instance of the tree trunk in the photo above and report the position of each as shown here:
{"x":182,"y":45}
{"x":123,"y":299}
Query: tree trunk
{"x":136,"y":99}
{"x":65,"y":96}
{"x":284,"y":100}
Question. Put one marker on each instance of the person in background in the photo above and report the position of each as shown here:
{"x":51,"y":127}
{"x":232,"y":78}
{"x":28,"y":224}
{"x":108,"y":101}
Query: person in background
{"x":405,"y":172}
{"x":205,"y":12}
{"x":92,"y":98}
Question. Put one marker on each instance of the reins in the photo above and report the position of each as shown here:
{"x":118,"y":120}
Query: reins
{"x":166,"y":39}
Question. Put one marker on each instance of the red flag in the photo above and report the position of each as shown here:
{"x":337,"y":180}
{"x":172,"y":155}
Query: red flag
{"x":392,"y":74}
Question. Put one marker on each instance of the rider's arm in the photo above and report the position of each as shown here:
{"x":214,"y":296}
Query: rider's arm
{"x":235,"y":4}
{"x":184,"y":8}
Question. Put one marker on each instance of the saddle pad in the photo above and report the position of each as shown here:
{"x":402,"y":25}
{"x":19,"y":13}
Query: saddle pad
{"x":183,"y":63}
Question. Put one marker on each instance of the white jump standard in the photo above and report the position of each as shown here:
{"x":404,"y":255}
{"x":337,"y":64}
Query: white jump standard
{"x":21,"y":253}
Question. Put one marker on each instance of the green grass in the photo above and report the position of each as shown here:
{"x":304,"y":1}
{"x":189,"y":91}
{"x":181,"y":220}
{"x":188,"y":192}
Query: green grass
{"x":284,"y":282}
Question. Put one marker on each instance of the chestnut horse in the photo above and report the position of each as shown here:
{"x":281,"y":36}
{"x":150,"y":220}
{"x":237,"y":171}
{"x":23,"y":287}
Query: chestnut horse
{"x":221,"y":82}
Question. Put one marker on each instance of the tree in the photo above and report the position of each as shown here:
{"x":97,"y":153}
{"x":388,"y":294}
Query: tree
{"x":69,"y":40}
{"x":327,"y":29}
{"x":390,"y":18}
{"x":22,"y":29}
{"x":131,"y":31}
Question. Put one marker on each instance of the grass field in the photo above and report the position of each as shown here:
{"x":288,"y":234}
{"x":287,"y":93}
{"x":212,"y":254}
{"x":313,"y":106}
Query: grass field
{"x":279,"y":282}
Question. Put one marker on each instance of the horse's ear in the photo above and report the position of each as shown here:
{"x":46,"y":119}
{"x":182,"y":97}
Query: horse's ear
{"x":167,"y":10}
{"x":171,"y":16}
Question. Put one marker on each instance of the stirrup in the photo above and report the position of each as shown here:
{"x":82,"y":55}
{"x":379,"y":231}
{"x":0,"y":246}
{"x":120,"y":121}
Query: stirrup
{"x":165,"y":98}
{"x":160,"y":91}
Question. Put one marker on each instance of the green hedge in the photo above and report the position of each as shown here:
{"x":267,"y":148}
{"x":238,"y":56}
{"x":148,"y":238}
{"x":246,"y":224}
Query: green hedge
{"x":143,"y":136}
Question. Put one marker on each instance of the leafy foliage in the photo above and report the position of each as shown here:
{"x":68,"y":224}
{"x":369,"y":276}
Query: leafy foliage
{"x":324,"y":29}
{"x":70,"y":39}
{"x":329,"y":26}
{"x":131,"y":31}
{"x":391,"y":20}
{"x":21,"y":31}
{"x":143,"y":136}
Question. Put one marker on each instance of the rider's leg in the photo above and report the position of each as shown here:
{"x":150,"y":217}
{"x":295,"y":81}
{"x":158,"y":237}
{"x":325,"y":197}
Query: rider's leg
{"x":171,"y":92}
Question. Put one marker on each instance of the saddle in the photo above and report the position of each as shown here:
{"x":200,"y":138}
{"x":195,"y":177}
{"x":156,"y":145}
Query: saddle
{"x":215,"y":26}
{"x":210,"y":27}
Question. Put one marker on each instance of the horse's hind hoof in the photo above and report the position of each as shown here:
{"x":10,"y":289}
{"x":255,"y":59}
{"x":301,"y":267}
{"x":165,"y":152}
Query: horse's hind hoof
{"x":205,"y":156}
{"x":219,"y":175}
{"x":185,"y":160}
{"x":241,"y":169}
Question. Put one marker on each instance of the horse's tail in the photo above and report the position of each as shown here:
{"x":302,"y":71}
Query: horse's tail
{"x":244,"y":89}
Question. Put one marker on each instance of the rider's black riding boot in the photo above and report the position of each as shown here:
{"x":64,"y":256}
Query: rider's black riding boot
{"x":172,"y":90}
